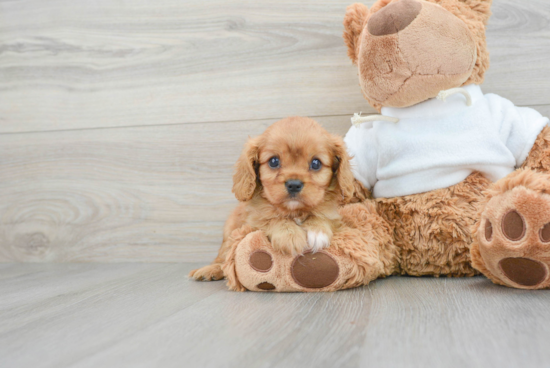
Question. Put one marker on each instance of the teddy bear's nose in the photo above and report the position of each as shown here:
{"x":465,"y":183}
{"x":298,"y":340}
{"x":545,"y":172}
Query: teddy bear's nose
{"x":394,"y":17}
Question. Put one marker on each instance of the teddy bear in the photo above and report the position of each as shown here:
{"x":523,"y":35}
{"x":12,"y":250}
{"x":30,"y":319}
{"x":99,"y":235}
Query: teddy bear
{"x":459,"y":179}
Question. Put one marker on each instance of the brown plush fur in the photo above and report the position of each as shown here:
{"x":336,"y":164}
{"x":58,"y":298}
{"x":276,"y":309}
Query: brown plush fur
{"x":267,"y":205}
{"x":362,"y":248}
{"x":539,"y":157}
{"x":432,"y":229}
{"x":435,"y":233}
{"x":354,"y":22}
{"x":528,"y":191}
{"x":438,"y":233}
{"x":413,"y":65}
{"x":457,"y":231}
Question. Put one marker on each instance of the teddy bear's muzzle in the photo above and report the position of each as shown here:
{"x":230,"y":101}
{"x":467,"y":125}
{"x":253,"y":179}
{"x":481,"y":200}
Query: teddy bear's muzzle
{"x":394,"y":17}
{"x":411,"y":50}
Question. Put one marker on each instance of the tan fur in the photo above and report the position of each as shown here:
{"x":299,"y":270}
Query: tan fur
{"x":539,"y":157}
{"x":435,"y":233}
{"x":528,"y":191}
{"x":354,"y":22}
{"x":413,"y":65}
{"x":442,"y":232}
{"x":362,"y":248}
{"x":438,"y":233}
{"x":433,"y":229}
{"x":267,"y":205}
{"x":438,"y":53}
{"x":475,"y":13}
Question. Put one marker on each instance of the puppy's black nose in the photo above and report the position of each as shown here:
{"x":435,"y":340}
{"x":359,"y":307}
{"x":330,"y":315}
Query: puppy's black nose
{"x":294,"y":186}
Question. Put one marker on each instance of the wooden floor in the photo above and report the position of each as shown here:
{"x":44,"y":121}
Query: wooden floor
{"x":120,"y":122}
{"x":151,"y":315}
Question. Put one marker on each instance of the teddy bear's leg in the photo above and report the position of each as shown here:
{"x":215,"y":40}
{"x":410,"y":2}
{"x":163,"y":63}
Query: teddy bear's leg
{"x":433,"y":229}
{"x":361,"y":251}
{"x":512,"y":239}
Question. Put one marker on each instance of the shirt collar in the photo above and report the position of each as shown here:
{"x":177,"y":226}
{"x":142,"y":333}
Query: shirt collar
{"x":434,"y":107}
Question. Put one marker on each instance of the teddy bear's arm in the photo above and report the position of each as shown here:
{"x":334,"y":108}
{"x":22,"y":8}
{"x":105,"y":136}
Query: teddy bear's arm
{"x":360,"y":193}
{"x":362,"y":147}
{"x":519,"y":127}
{"x":539,"y":156}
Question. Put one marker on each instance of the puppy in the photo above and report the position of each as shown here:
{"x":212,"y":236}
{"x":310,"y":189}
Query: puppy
{"x":290,"y":181}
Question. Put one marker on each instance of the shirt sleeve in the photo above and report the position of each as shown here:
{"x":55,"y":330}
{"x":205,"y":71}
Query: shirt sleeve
{"x":361,"y":145}
{"x":519,"y":127}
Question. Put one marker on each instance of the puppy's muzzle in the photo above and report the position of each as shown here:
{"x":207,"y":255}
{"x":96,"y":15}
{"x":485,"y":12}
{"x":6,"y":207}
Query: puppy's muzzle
{"x":294,"y":187}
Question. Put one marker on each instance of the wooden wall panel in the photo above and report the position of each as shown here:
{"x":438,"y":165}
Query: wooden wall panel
{"x":120,"y":121}
{"x":80,"y":64}
{"x":145,"y":193}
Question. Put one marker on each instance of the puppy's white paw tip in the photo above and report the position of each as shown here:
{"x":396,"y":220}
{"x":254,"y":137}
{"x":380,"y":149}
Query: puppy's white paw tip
{"x":317,"y":240}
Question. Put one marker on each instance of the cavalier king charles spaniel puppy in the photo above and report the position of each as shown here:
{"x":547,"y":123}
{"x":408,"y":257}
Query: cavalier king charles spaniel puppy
{"x":290,"y":181}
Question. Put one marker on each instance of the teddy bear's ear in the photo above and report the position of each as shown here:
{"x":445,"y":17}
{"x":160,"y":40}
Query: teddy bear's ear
{"x":354,"y":22}
{"x":481,"y":7}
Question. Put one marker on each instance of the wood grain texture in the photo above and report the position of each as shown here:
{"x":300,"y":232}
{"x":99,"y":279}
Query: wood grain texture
{"x":80,"y":64}
{"x":124,"y":194}
{"x":150,"y":315}
{"x":150,"y":194}
{"x":120,"y":121}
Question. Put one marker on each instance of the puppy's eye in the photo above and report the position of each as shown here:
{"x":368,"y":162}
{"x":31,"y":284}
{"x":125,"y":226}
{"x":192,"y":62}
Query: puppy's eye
{"x":315,"y":164}
{"x":274,"y":162}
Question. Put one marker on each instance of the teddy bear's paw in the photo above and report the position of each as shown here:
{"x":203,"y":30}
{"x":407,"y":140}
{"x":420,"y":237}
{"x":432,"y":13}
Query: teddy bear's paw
{"x":307,"y":272}
{"x":256,"y":265}
{"x":260,"y":268}
{"x":514,"y":239}
{"x":262,"y":262}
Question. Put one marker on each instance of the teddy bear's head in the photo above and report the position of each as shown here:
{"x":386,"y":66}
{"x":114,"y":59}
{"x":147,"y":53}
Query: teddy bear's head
{"x":408,"y":51}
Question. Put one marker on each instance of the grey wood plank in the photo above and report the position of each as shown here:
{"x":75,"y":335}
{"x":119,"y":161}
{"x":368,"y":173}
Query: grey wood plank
{"x":399,"y":322}
{"x":81,"y":64}
{"x":67,"y":312}
{"x":457,"y":322}
{"x":151,"y":315}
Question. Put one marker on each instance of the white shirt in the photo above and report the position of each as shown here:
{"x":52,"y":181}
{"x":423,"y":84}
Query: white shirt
{"x":437,"y":144}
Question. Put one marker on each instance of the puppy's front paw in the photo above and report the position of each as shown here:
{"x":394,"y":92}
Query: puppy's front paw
{"x":289,"y":243}
{"x":317,"y":240}
{"x":211,"y":272}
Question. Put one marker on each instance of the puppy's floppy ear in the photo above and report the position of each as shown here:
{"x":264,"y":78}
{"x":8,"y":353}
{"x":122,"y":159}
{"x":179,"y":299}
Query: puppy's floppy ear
{"x":342,"y":169}
{"x":354,"y":22}
{"x":244,"y":179}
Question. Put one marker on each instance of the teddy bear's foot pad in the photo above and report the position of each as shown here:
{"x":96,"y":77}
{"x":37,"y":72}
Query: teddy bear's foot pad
{"x":314,"y":270}
{"x":523,"y":271}
{"x":515,"y":244}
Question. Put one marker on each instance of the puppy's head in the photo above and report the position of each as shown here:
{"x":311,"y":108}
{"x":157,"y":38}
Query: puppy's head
{"x":296,"y":165}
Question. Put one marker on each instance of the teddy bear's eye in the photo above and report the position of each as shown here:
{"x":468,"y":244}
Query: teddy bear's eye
{"x":274,"y":162}
{"x":315,"y":164}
